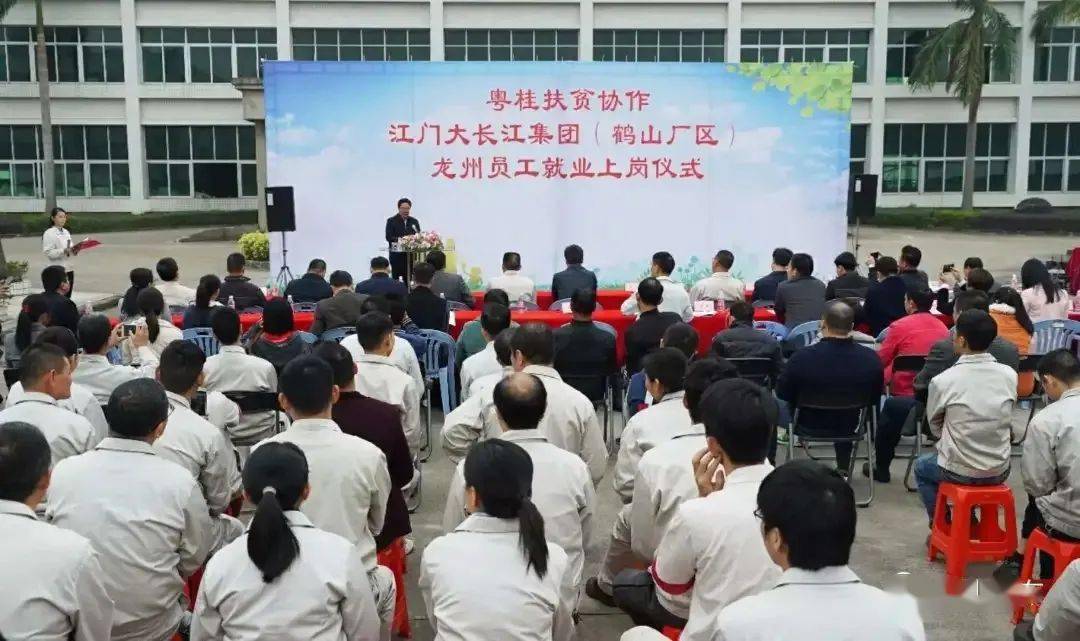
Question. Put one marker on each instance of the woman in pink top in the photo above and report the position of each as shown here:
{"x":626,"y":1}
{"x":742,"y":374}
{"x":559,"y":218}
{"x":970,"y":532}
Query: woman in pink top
{"x":1042,"y":299}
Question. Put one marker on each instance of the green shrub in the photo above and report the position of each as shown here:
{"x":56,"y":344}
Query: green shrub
{"x":954,"y":219}
{"x":16,"y":269}
{"x":255,"y":245}
{"x":97,"y":222}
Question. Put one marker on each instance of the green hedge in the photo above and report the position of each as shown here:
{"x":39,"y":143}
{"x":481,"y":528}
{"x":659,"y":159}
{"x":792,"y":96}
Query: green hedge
{"x":97,"y":222}
{"x":994,"y":220}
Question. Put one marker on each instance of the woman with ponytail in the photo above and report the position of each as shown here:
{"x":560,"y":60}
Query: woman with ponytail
{"x":151,"y":307}
{"x":33,"y":319}
{"x":206,"y":298}
{"x":140,"y":278}
{"x":495,"y":576}
{"x":284,"y":578}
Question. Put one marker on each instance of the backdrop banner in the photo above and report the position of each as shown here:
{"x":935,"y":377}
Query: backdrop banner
{"x":623,"y":159}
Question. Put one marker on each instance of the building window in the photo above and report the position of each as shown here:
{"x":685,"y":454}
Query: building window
{"x":515,"y":44}
{"x":929,"y":158}
{"x":659,"y":45}
{"x":1059,"y":59}
{"x":75,"y":54}
{"x":90,"y":160}
{"x":903,"y":47}
{"x":361,"y":44}
{"x":20,"y":169}
{"x":1054,"y":163}
{"x":199,"y":54}
{"x":808,"y":45}
{"x":858,"y":149}
{"x":201,"y":161}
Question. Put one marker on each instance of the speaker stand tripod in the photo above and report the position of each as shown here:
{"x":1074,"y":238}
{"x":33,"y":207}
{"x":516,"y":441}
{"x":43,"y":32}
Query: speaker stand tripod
{"x":284,"y":275}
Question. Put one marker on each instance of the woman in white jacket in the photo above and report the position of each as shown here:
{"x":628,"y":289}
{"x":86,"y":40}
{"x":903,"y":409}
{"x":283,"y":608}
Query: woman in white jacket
{"x":56,"y":245}
{"x":151,"y":306}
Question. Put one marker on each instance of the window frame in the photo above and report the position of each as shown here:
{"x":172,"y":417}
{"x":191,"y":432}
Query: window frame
{"x":607,"y":45}
{"x":1069,"y":159}
{"x":79,"y":44}
{"x":188,"y":158}
{"x":510,"y":45}
{"x":903,"y":161}
{"x":752,"y":42}
{"x":264,"y":42}
{"x":368,"y":44}
{"x":118,"y":164}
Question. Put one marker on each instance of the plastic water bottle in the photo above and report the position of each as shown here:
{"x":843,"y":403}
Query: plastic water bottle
{"x":232,"y":302}
{"x":1014,"y":283}
{"x":290,"y":300}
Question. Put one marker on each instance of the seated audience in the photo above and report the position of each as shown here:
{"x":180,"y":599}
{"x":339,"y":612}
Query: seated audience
{"x":720,"y":286}
{"x":471,"y":340}
{"x":350,"y":483}
{"x":975,"y":278}
{"x":340,"y":310}
{"x":175,"y":294}
{"x":446,"y":285}
{"x":801,"y":298}
{"x":674,"y":298}
{"x":277,"y":340}
{"x":140,"y":278}
{"x":160,"y":330}
{"x":885,"y":298}
{"x":742,"y":340}
{"x":312,"y":286}
{"x":574,"y":277}
{"x":285,"y":572}
{"x":1058,"y":618}
{"x":644,"y":334}
{"x":1042,"y":298}
{"x":1013,"y":325}
{"x":681,"y":336}
{"x":380,"y":283}
{"x":561,"y":488}
{"x":379,"y":377}
{"x":94,"y":371}
{"x":144,"y":515}
{"x":45,"y":375}
{"x":32,"y":320}
{"x":237,"y":290}
{"x":970,"y":409}
{"x":584,"y":351}
{"x":482,"y":387}
{"x":62,"y":311}
{"x":713,"y":546}
{"x":404,"y":353}
{"x":206,"y":299}
{"x":51,"y":585}
{"x":518,"y":287}
{"x":913,"y":277}
{"x":233,"y":371}
{"x":520,"y":591}
{"x":833,"y":366}
{"x":426,"y":308}
{"x":849,"y":283}
{"x":765,"y":287}
{"x":494,"y":319}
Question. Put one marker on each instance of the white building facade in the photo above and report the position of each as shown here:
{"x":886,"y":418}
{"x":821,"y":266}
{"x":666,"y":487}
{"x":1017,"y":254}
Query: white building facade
{"x":145,"y":117}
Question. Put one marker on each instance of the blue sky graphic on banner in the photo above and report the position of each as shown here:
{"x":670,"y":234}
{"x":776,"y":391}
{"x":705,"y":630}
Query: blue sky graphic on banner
{"x":623,"y":159}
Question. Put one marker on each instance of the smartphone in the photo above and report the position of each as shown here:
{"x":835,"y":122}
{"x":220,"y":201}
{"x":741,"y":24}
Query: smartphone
{"x":129,"y":329}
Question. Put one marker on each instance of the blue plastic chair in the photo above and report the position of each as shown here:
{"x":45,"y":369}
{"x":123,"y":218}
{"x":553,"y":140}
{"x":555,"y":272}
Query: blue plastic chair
{"x":204,"y":338}
{"x":335,"y":335}
{"x":308,"y":337}
{"x":778,"y":331}
{"x":439,"y":363}
{"x":1053,"y":334}
{"x":805,"y":334}
{"x":303,"y":307}
{"x":456,"y":306}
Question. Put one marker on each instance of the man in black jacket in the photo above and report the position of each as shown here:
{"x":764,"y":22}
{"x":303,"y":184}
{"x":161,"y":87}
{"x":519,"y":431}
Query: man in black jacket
{"x":765,"y":287}
{"x":63,"y":312}
{"x":643,"y":336}
{"x":238,"y":286}
{"x":885,"y":298}
{"x":380,"y":283}
{"x":574,"y":277}
{"x":400,"y":224}
{"x":312,"y":286}
{"x":425,"y":307}
{"x":849,"y":283}
{"x":914,"y":278}
{"x":583,"y":350}
{"x":742,"y":340}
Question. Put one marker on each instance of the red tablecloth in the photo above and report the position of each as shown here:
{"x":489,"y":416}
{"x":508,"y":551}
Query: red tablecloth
{"x":301,"y":320}
{"x":707,"y":326}
{"x":607,"y":299}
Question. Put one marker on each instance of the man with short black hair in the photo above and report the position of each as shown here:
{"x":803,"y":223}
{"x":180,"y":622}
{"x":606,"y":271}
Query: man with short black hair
{"x":312,"y":286}
{"x":145,"y":515}
{"x":175,"y":294}
{"x":238,"y":287}
{"x":849,"y":283}
{"x":403,"y":223}
{"x":975,"y":279}
{"x":574,"y":277}
{"x":720,"y":285}
{"x":381,"y":283}
{"x":585,"y":351}
{"x":644,"y":334}
{"x":808,"y":525}
{"x":494,"y":319}
{"x":765,"y":287}
{"x":742,"y":340}
{"x":516,"y":285}
{"x":970,"y":409}
{"x":234,"y":370}
{"x":379,"y":377}
{"x":674,"y":297}
{"x":801,"y":298}
{"x":340,"y":310}
{"x":913,"y":277}
{"x":681,"y":336}
{"x":446,"y":285}
{"x":94,"y":372}
{"x":51,"y":586}
{"x":404,"y":352}
{"x":349,"y":480}
{"x":885,"y":298}
{"x":561,"y":488}
{"x":62,"y":310}
{"x":426,"y":308}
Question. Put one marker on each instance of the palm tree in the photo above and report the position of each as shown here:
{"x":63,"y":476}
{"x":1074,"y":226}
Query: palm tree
{"x":1054,"y":13}
{"x":957,"y":56}
{"x":48,"y":170}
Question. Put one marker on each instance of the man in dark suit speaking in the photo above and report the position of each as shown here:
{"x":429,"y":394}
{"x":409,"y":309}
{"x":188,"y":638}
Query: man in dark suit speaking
{"x":398,"y":225}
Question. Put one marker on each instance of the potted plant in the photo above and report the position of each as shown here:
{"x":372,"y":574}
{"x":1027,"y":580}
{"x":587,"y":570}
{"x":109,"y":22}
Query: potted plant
{"x":17,"y":285}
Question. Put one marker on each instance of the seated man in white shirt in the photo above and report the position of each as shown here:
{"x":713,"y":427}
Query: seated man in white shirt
{"x":349,"y":479}
{"x":481,"y":387}
{"x":176,"y":295}
{"x":50,"y":586}
{"x":46,"y":378}
{"x":720,"y":285}
{"x":144,"y":515}
{"x":561,"y":488}
{"x":712,"y":548}
{"x":403,"y":355}
{"x":194,"y":443}
{"x":97,"y":336}
{"x":81,"y":401}
{"x":379,"y":378}
{"x":494,"y":319}
{"x":517,"y":287}
{"x":234,"y":370}
{"x":675,"y":298}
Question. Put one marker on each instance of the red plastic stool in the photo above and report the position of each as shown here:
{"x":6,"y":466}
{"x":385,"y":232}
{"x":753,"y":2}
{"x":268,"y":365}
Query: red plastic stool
{"x":957,"y":542}
{"x":1063,"y":554}
{"x":671,"y":632}
{"x":393,"y":557}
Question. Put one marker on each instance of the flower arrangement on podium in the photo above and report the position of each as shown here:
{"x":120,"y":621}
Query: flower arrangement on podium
{"x":418,"y":245}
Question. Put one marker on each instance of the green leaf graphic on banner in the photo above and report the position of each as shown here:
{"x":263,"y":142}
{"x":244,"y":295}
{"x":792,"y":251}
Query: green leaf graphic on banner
{"x":824,"y":86}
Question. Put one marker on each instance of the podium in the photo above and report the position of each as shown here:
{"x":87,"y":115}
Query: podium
{"x":413,"y":257}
